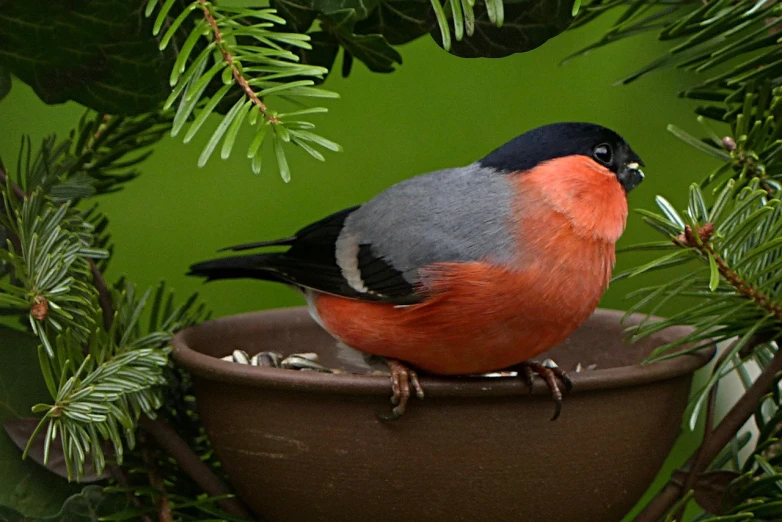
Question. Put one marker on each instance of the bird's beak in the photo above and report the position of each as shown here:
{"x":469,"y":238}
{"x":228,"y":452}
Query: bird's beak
{"x":630,"y":176}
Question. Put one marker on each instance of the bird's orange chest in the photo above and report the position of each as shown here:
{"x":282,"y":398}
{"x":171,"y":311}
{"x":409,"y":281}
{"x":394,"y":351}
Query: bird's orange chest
{"x":482,"y":316}
{"x":568,"y":215}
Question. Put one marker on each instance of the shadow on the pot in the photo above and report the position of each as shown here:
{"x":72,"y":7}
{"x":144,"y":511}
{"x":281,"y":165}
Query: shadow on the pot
{"x":307,"y":446}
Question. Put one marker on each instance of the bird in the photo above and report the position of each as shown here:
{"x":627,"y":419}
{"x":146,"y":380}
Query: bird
{"x":464,"y":270}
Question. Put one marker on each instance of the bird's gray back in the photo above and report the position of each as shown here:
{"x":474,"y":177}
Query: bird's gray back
{"x":460,"y":214}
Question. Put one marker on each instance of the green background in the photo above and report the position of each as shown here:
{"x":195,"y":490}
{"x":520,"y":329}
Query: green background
{"x":435,"y":111}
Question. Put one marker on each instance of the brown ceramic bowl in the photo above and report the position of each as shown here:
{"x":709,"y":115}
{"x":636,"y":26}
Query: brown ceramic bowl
{"x":307,"y":447}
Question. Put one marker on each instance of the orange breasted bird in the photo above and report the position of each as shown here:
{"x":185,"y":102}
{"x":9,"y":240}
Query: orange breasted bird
{"x":465,"y":270}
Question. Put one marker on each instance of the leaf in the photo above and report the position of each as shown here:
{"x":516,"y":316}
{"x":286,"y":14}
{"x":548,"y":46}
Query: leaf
{"x":218,"y":133}
{"x":5,"y":83}
{"x":233,"y":130}
{"x":100,"y":54}
{"x":710,"y":489}
{"x":469,"y":16}
{"x":399,"y":21}
{"x":669,"y":211}
{"x":19,"y":430}
{"x":442,"y":24}
{"x":714,"y":279}
{"x":91,"y":505}
{"x":204,"y":113}
{"x":527,"y":25}
{"x":25,"y":485}
{"x":76,"y":187}
{"x":282,"y":162}
{"x":698,"y":144}
{"x":320,"y":140}
{"x":372,"y":49}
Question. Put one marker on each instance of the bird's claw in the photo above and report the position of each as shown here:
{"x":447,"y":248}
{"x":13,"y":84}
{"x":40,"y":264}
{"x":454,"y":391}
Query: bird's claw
{"x":402,"y":380}
{"x":550,"y":372}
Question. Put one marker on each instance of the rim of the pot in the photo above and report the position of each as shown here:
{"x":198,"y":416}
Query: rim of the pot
{"x":215,"y":369}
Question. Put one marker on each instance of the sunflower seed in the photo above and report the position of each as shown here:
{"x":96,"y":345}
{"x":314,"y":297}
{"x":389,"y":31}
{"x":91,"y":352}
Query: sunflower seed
{"x":241,"y":357}
{"x":297,"y":362}
{"x":271,"y":359}
{"x":498,"y":374}
{"x":581,"y":368}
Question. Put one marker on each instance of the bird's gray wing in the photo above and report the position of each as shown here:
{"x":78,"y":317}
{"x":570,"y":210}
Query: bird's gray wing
{"x":453,"y":215}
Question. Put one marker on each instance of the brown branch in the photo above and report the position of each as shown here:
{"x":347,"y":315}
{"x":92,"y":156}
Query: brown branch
{"x":119,"y":475}
{"x":170,"y":441}
{"x":155,"y":480}
{"x":722,"y":435}
{"x":699,"y":463}
{"x":700,"y":241}
{"x":229,"y":59}
{"x":4,"y":179}
{"x":104,"y":296}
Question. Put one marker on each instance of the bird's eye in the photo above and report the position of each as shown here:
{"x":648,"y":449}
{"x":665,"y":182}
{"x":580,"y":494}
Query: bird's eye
{"x":603,"y":153}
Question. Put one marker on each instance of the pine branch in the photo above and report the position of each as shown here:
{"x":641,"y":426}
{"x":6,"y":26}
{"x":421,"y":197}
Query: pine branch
{"x":102,"y":379}
{"x":708,"y":34}
{"x":241,"y":80}
{"x":700,"y":242}
{"x":722,"y":435}
{"x":98,"y":157}
{"x":52,"y":267}
{"x":160,"y":431}
{"x":253,"y":65}
{"x":17,"y":190}
{"x":100,"y":401}
{"x":737,"y":240}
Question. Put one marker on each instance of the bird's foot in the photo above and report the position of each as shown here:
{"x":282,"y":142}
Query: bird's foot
{"x":550,"y":372}
{"x":402,"y":380}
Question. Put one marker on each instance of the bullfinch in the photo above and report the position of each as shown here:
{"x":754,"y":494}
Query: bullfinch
{"x":465,"y":270}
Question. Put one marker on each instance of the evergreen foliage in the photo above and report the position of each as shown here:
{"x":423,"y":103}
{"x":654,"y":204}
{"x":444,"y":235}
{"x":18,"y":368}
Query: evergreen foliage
{"x":103,"y":348}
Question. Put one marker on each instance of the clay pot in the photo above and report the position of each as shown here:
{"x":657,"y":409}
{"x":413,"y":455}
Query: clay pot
{"x":308,"y":447}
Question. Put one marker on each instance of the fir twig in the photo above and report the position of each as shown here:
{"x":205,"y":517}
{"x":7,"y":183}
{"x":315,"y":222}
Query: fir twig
{"x":115,"y":470}
{"x":722,"y":435}
{"x":166,"y":437}
{"x":244,"y":52}
{"x":97,"y":396}
{"x":700,"y":242}
{"x":241,"y":80}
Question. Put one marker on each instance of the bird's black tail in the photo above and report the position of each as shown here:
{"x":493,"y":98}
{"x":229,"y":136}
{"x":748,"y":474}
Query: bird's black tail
{"x":257,"y":266}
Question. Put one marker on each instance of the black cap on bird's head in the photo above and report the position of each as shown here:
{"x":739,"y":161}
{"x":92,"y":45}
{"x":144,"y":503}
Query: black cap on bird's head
{"x":558,"y":140}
